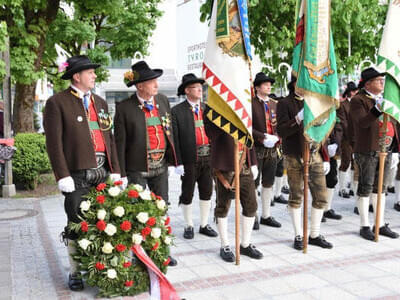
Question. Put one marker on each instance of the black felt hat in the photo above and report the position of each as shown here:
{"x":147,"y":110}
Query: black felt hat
{"x":77,"y":64}
{"x":368,"y":74}
{"x":261,"y":78}
{"x":141,"y":72}
{"x":351,"y":86}
{"x":188,"y":79}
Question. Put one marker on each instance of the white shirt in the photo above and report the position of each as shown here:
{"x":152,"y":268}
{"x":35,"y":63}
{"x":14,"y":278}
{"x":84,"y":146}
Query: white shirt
{"x":80,"y":93}
{"x":193,"y":104}
{"x":141,"y":100}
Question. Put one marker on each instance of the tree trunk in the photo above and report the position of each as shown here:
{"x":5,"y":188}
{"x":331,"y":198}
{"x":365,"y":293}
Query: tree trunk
{"x":23,"y":107}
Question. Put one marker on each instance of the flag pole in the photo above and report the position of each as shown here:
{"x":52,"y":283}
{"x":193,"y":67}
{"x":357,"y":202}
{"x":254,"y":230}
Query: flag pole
{"x":382,"y":157}
{"x":237,"y":202}
{"x":306,"y":158}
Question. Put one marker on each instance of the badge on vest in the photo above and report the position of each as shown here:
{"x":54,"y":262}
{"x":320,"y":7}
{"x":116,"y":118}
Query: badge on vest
{"x":79,"y":119}
{"x":166,"y":123}
{"x":105,"y":119}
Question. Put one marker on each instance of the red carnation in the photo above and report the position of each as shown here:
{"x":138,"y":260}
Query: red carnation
{"x":84,"y":226}
{"x":133,"y":194}
{"x":155,"y":247}
{"x":152,"y":195}
{"x":101,"y":225}
{"x":125,"y":226}
{"x":129,"y":283}
{"x":100,"y":266}
{"x":167,"y":220}
{"x":101,"y":186}
{"x":145,"y":232}
{"x":166,"y":262}
{"x":158,"y":198}
{"x":169,"y":229}
{"x":120,"y":247}
{"x":151,"y":221}
{"x":127,"y":264}
{"x":100,"y":199}
{"x":118,"y":182}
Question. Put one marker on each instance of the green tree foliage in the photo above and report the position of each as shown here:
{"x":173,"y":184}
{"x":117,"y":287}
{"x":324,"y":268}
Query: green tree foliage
{"x":272,"y":27}
{"x":102,"y":29}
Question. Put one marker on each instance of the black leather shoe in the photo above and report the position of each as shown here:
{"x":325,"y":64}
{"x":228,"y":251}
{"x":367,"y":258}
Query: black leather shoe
{"x":351,"y":193}
{"x":280,"y":199}
{"x":188,"y":232}
{"x":208,"y":231}
{"x":323,"y":220}
{"x":344,"y":194}
{"x":256,"y":225}
{"x":251,"y":251}
{"x":356,"y":210}
{"x":386,"y":231}
{"x":330,"y":214}
{"x":320,"y":241}
{"x":227,"y":254}
{"x":397,"y":206}
{"x":172,"y":261}
{"x":371,"y":208}
{"x":391,"y":189}
{"x":298,"y":242}
{"x":270,"y":221}
{"x":285,"y":189}
{"x":75,"y":282}
{"x":366,"y":233}
{"x":272,"y":202}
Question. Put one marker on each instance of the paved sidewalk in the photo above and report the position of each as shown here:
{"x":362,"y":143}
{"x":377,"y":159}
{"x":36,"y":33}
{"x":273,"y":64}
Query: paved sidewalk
{"x":34,"y":264}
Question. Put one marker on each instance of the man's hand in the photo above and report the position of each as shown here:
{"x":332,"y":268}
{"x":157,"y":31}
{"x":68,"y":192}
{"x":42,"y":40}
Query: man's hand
{"x":300,"y":116}
{"x":254,"y":171}
{"x":66,"y":185}
{"x":270,"y":140}
{"x":327,"y":167}
{"x":332,"y":148}
{"x":115,"y":177}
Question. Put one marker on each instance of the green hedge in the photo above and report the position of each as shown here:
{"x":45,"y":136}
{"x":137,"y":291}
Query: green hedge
{"x":30,"y":160}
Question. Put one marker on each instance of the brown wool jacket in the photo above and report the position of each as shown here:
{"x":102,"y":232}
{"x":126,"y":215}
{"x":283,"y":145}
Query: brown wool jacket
{"x":365,"y":121}
{"x":131,"y":133}
{"x":259,"y":123}
{"x":68,"y":139}
{"x":222,"y":147}
{"x":290,"y":132}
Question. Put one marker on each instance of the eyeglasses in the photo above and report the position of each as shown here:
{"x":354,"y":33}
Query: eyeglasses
{"x":382,"y":80}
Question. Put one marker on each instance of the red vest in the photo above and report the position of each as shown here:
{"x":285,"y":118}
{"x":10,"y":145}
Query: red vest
{"x":155,"y":133}
{"x":95,"y":132}
{"x":201,"y":137}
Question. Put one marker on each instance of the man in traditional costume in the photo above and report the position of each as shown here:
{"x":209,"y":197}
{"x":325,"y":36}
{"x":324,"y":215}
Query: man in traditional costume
{"x":80,"y":145}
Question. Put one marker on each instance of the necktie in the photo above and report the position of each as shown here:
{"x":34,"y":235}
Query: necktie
{"x":266,"y":106}
{"x":86,"y":101}
{"x":148,"y":105}
{"x":196,"y":109}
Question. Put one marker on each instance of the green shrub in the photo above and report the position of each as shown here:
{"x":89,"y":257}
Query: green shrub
{"x":30,"y":160}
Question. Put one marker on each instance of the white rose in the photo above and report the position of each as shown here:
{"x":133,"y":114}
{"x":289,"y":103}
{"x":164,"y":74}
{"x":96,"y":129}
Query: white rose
{"x":110,"y":229}
{"x":145,"y":195}
{"x":84,"y":243}
{"x":138,"y":187}
{"x":111,"y":273}
{"x":142,"y":217}
{"x":167,"y":240}
{"x":101,"y":214}
{"x":160,"y":204}
{"x":137,"y":239}
{"x":85,"y":205}
{"x":114,"y":191}
{"x":119,"y":211}
{"x":107,"y":248}
{"x":156,"y":232}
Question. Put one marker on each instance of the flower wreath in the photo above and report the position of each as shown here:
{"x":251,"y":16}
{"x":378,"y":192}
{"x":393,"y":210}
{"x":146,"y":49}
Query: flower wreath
{"x":112,"y":221}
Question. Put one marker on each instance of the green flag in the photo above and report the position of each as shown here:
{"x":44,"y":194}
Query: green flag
{"x":314,"y":65}
{"x":389,"y":61}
